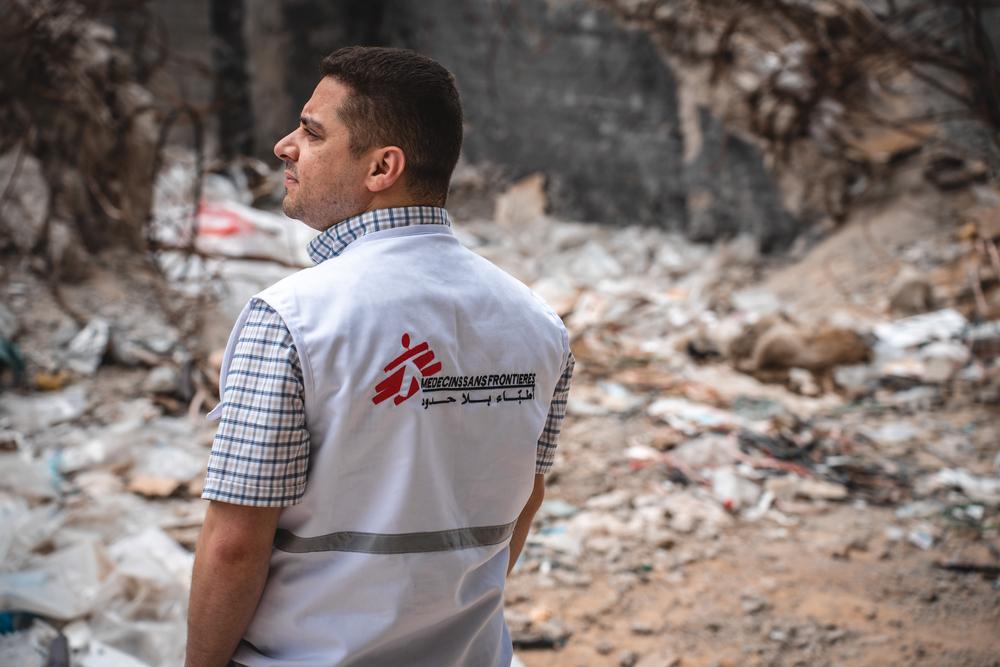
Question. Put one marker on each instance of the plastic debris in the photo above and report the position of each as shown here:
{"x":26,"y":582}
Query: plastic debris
{"x":980,"y":489}
{"x":63,"y":585}
{"x":921,"y":329}
{"x":943,"y":360}
{"x":32,"y":413}
{"x":691,"y":418}
{"x":25,"y":478}
{"x":733,"y":490}
{"x":87,"y":349}
{"x":27,"y":647}
{"x":790,"y":487}
{"x":921,"y":537}
{"x":99,"y":654}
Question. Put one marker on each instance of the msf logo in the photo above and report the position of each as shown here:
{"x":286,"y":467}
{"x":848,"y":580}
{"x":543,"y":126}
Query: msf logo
{"x":413,"y":360}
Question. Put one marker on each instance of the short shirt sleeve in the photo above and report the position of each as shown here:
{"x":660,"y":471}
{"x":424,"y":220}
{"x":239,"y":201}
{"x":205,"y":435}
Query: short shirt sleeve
{"x":260,"y":454}
{"x":546,"y":450}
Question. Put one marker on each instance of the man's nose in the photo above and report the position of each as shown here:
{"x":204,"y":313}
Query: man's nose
{"x":285,"y":149}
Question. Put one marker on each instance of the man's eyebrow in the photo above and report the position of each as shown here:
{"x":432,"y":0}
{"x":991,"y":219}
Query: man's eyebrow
{"x":310,"y":122}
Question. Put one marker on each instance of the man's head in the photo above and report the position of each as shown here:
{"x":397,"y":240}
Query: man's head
{"x":382,"y":128}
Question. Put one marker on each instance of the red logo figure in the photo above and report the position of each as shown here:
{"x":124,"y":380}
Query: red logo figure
{"x":419,"y":356}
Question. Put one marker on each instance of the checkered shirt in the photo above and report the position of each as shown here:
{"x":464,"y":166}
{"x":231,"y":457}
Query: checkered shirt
{"x":260,"y":455}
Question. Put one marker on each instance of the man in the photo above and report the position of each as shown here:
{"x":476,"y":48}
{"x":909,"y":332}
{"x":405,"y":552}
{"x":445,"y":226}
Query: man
{"x":388,"y":415}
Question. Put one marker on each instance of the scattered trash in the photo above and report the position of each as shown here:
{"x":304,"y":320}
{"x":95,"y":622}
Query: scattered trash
{"x":980,"y":489}
{"x":87,"y":349}
{"x":29,"y":414}
{"x":921,"y":329}
{"x":984,"y":340}
{"x":529,"y":634}
{"x":733,"y":490}
{"x":790,"y":487}
{"x":27,"y":479}
{"x":942,"y":360}
{"x":29,"y":646}
{"x":162,"y":380}
{"x":63,"y":585}
{"x":692,"y":418}
{"x":556,"y":509}
{"x":921,"y":537}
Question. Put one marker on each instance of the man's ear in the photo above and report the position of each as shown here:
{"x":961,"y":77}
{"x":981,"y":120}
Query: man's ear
{"x":387,"y":165}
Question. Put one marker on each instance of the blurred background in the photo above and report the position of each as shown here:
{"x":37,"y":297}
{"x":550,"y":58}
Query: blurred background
{"x":770,"y":227}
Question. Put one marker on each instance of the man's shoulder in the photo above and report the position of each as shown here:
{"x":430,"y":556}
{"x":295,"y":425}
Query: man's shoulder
{"x":288,"y":284}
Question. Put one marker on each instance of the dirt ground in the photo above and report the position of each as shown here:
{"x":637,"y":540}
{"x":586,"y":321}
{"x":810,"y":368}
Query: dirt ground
{"x":831,"y":591}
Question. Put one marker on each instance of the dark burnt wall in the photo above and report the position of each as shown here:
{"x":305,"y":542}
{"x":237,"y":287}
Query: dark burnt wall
{"x":559,"y":88}
{"x":552,"y":86}
{"x":730,"y":191}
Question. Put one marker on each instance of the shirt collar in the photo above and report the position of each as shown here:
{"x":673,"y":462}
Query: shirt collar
{"x":335,"y":240}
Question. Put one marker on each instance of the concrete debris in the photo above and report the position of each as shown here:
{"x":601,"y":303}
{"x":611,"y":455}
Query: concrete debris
{"x":942,"y":360}
{"x":911,"y":293}
{"x":790,"y":488}
{"x":529,"y":633}
{"x":87,"y":349}
{"x":984,"y":340}
{"x":162,"y":380}
{"x":522,"y":204}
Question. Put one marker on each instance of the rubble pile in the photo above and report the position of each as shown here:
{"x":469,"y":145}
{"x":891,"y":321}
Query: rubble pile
{"x":703,"y":405}
{"x":96,"y":493}
{"x":702,"y":402}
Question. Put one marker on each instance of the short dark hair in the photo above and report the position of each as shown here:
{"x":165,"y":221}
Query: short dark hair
{"x":401,"y":98}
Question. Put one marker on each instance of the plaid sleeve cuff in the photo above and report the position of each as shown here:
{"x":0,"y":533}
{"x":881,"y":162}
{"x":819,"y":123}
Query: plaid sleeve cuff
{"x":260,"y":455}
{"x":546,"y":451}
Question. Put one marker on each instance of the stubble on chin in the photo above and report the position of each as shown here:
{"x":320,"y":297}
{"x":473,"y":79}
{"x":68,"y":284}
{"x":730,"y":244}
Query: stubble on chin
{"x":290,"y":208}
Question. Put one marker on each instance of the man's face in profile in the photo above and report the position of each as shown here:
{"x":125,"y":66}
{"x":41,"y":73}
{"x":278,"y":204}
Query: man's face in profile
{"x":324,"y":183}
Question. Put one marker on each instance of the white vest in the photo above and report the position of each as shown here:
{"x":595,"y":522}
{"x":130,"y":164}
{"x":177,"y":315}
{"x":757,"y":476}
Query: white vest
{"x":428,"y":375}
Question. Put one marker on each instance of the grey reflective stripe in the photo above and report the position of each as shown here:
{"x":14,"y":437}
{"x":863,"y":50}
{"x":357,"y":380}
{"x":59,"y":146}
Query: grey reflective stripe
{"x":395,"y":543}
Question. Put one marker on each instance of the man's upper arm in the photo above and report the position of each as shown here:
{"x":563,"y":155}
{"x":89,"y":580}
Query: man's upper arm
{"x":260,"y":455}
{"x":239,"y":532}
{"x":546,"y":450}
